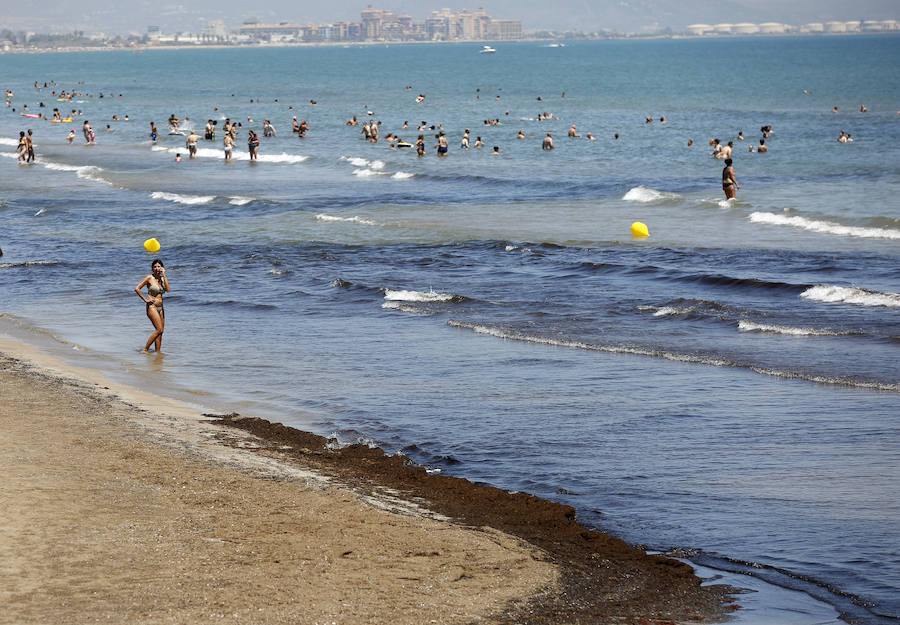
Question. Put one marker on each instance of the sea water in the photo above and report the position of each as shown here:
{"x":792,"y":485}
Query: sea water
{"x":727,"y":387}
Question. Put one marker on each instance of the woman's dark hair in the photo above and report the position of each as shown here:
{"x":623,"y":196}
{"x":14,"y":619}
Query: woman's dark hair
{"x":728,"y":162}
{"x":156,"y":262}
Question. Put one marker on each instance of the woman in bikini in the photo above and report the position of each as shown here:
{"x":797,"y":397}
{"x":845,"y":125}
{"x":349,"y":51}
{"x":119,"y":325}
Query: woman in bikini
{"x":156,"y":284}
{"x":729,"y":182}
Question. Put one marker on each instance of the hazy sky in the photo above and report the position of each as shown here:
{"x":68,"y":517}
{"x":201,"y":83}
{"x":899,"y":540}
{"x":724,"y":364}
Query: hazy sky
{"x":587,"y":15}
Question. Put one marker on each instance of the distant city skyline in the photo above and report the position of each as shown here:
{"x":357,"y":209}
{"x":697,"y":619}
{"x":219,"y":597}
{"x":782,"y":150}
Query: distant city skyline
{"x":626,"y":16}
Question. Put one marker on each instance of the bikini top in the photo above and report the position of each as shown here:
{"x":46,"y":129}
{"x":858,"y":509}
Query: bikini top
{"x":155,"y":290}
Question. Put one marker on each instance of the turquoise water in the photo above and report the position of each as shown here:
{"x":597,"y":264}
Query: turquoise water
{"x":728,"y":386}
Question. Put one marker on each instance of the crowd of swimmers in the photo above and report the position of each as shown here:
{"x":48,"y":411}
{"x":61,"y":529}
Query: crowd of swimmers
{"x":371,"y":131}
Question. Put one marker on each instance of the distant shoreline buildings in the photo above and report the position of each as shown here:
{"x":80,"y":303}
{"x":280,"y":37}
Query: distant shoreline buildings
{"x":375,"y":25}
{"x":379,"y":25}
{"x":776,"y":28}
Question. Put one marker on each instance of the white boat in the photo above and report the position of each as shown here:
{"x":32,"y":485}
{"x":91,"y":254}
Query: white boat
{"x":557,"y":45}
{"x":487,"y":50}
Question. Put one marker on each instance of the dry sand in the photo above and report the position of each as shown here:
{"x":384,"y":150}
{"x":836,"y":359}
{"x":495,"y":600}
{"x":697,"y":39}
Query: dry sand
{"x":122,"y":507}
{"x":102,"y":518}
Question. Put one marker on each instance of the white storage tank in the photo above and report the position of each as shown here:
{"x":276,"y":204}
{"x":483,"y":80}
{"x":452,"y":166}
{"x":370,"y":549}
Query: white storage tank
{"x":698,"y":29}
{"x":745,"y":28}
{"x":772,"y":28}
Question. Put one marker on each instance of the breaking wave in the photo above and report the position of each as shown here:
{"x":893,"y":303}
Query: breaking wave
{"x":752,"y":326}
{"x":827,"y":227}
{"x":674,"y":356}
{"x":851,"y":295}
{"x":646,"y":194}
{"x":419,"y":296}
{"x":182,"y":199}
{"x":354,"y":219}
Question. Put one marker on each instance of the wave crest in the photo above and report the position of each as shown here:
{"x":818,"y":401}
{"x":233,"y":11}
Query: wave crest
{"x":656,"y":353}
{"x":646,"y":194}
{"x":752,"y":326}
{"x":826,"y":227}
{"x":851,"y":295}
{"x":354,"y":219}
{"x":182,"y":199}
{"x":419,"y":296}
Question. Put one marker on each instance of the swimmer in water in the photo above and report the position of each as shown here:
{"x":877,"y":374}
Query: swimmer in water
{"x":547,"y":143}
{"x":729,"y":182}
{"x":228,"y":145}
{"x":572,"y":132}
{"x":253,"y":145}
{"x":191,"y":144}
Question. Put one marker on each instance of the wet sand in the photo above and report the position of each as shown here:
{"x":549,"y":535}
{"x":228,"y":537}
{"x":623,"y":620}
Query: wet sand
{"x":120,"y":506}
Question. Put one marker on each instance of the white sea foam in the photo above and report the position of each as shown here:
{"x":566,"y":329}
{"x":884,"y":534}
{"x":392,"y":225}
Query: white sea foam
{"x":40,"y":212}
{"x":9,"y":154}
{"x":752,"y":326}
{"x":851,"y":295}
{"x":235,"y":155}
{"x":238,"y":200}
{"x":8,"y":141}
{"x":665,"y":311}
{"x":402,"y":175}
{"x":85,"y":172}
{"x":511,"y":248}
{"x":367,"y":173}
{"x":404,"y":307}
{"x":689,"y":358}
{"x":356,"y":161}
{"x":354,"y":219}
{"x":182,"y":199}
{"x":28,"y":263}
{"x":360,"y":162}
{"x":827,"y":227}
{"x":615,"y":349}
{"x":646,"y":194}
{"x":280,"y":158}
{"x":417,"y":296}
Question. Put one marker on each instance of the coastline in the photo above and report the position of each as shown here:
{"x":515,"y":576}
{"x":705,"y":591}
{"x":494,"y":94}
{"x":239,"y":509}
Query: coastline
{"x":147,"y":509}
{"x":353,"y":44}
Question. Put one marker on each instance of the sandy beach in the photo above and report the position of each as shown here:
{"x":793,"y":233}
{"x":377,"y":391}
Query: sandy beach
{"x":120,"y":506}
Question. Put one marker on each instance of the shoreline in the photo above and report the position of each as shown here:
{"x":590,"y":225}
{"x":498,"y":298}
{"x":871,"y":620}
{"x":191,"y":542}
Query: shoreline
{"x":514,"y":558}
{"x":351,"y":44}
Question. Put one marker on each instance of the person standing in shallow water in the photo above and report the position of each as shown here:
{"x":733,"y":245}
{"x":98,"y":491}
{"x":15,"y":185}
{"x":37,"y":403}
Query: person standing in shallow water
{"x":729,"y":182}
{"x":157,"y":284}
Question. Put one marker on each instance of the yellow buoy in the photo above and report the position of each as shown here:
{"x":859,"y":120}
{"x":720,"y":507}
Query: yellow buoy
{"x":152,"y":245}
{"x":639,"y":229}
